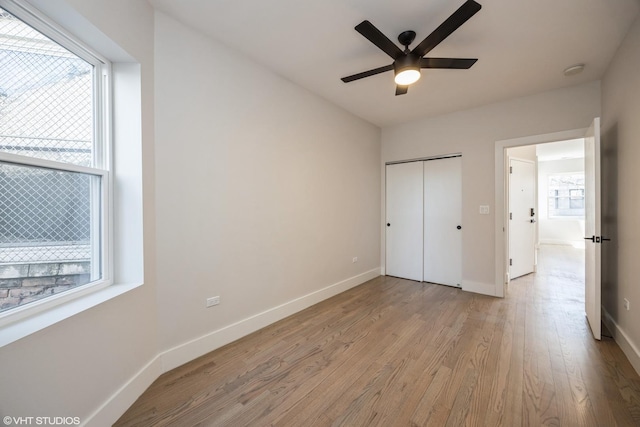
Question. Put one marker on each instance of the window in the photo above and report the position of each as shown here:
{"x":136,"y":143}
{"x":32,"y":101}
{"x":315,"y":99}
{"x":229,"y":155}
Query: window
{"x":54,"y":163}
{"x":566,"y":195}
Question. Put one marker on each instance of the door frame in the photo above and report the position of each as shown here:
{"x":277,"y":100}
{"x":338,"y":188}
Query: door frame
{"x":501,"y":196}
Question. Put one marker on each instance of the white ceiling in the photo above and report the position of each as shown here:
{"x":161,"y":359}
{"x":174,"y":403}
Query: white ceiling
{"x":571,"y":149}
{"x":522,"y":47}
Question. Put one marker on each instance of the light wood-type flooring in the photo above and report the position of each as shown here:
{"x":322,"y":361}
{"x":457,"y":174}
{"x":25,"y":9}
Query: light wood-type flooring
{"x":394,"y":352}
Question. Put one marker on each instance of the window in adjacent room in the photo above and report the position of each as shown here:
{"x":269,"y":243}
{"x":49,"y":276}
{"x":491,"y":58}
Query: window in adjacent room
{"x":566,"y":195}
{"x":54,"y":163}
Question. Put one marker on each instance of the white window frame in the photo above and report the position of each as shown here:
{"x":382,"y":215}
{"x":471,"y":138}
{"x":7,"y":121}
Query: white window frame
{"x":561,"y":217}
{"x":102,"y":148}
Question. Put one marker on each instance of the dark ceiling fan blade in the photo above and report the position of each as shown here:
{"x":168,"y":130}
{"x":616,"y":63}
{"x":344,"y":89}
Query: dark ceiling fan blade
{"x":401,"y":90}
{"x":445,"y":29}
{"x":375,"y":36}
{"x":457,"y":63}
{"x":364,"y":74}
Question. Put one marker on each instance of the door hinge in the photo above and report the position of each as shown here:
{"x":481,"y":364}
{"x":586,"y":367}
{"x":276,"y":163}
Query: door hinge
{"x":510,"y":169}
{"x":510,"y":215}
{"x":510,"y":261}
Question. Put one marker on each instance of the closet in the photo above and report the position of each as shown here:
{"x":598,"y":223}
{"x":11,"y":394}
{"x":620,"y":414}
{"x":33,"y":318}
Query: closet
{"x":423,"y":220}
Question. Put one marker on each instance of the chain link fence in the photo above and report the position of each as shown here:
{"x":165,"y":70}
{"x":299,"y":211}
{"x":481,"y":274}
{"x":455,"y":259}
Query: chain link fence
{"x":43,"y":208}
{"x":46,"y":215}
{"x":46,"y":112}
{"x":46,"y":97}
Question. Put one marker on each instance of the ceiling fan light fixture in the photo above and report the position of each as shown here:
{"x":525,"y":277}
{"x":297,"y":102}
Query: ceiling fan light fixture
{"x":407,"y":76}
{"x":407,"y":70}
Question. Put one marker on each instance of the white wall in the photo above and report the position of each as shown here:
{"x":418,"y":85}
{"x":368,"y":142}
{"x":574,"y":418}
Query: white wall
{"x":562,"y":231}
{"x":76,"y":365}
{"x":620,"y":194}
{"x":474,"y":134}
{"x":265,"y":192}
{"x":527,"y":152}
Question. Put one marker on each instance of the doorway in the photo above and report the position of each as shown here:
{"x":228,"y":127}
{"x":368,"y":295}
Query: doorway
{"x":565,"y":195}
{"x":546,"y":201}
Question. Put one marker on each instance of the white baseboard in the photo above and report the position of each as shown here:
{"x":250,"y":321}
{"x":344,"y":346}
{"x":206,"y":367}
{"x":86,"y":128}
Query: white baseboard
{"x":479,"y":288}
{"x":190,"y":350}
{"x":109,"y":412}
{"x":622,"y":339}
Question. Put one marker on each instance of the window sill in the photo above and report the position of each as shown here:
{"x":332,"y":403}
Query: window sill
{"x":43,"y":319}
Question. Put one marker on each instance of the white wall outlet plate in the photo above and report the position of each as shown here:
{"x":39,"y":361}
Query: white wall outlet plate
{"x":484,"y":210}
{"x":213,"y":301}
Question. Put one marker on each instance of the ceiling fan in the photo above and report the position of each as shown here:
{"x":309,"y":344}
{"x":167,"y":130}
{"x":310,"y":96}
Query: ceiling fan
{"x":407,"y":64}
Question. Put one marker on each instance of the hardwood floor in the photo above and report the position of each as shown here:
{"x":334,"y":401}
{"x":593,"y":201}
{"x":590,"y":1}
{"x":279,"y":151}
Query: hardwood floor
{"x":392,"y":352}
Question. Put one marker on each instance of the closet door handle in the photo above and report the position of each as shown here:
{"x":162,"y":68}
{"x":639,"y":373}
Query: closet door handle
{"x":388,"y":224}
{"x":459,"y":227}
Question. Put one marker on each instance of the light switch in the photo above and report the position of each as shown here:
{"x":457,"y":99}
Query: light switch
{"x":484,"y":210}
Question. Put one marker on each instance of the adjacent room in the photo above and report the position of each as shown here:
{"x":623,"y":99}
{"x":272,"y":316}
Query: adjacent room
{"x":546,"y":203}
{"x":332,"y":213}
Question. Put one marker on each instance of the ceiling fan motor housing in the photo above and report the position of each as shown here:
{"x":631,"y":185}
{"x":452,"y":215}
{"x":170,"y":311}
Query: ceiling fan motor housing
{"x":406,"y":62}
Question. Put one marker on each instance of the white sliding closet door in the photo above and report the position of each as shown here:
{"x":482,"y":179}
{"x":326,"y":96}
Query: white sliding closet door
{"x":404,"y":220}
{"x":443,"y":221}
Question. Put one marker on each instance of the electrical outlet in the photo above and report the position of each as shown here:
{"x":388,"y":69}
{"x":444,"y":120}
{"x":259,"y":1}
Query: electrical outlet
{"x":355,"y":259}
{"x":484,"y":210}
{"x":213,"y":301}
{"x":626,"y":304}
